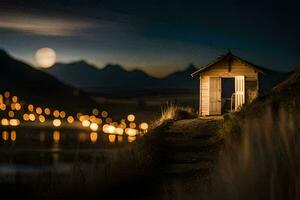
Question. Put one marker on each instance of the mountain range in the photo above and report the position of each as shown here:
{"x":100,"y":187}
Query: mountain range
{"x":113,"y":76}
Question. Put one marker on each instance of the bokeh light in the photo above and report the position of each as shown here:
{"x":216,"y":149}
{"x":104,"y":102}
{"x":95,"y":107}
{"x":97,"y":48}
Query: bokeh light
{"x":56,"y":122}
{"x":13,"y":135}
{"x":94,"y":136}
{"x":56,"y":136}
{"x":94,"y":126}
{"x":70,"y":119}
{"x":131,"y":117}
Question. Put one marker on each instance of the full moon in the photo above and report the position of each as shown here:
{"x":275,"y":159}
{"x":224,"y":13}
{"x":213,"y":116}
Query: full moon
{"x":45,"y":57}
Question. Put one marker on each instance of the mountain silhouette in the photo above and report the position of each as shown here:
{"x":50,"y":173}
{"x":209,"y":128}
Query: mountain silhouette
{"x":36,"y":86}
{"x":83,"y":75}
{"x":181,"y":79}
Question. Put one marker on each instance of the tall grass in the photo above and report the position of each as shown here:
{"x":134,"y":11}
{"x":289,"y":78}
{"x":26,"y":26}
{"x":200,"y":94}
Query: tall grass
{"x":260,"y":158}
{"x":172,"y":111}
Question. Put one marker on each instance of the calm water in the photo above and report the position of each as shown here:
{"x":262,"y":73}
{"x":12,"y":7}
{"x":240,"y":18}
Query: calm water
{"x":26,"y":153}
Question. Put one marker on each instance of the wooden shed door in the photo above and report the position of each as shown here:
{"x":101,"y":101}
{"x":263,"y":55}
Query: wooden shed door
{"x":215,"y":96}
{"x":239,"y":91}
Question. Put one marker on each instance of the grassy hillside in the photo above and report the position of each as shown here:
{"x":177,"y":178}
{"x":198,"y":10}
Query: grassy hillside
{"x":261,"y":151}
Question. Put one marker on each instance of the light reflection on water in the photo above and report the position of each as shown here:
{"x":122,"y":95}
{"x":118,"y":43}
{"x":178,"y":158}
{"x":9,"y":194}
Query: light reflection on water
{"x":34,"y":151}
{"x":64,"y":137}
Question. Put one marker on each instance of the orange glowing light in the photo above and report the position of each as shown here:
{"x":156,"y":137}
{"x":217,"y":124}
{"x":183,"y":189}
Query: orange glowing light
{"x":132,"y":125}
{"x":56,"y":136}
{"x":86,"y":123}
{"x":70,"y":119}
{"x":62,"y":114}
{"x":119,"y":131}
{"x":5,"y":135}
{"x":42,"y":119}
{"x":31,"y":117}
{"x":11,"y":114}
{"x":131,"y":132}
{"x":112,"y":138}
{"x":38,"y":110}
{"x":14,"y":99}
{"x":105,"y":128}
{"x":26,"y":117}
{"x":144,"y":126}
{"x":84,"y":118}
{"x":3,"y":106}
{"x":104,"y":113}
{"x":4,"y":122}
{"x":13,"y":106}
{"x":94,"y":137}
{"x":94,"y":126}
{"x":30,"y":107}
{"x":56,"y":122}
{"x":47,"y":111}
{"x":131,"y":138}
{"x":18,"y":106}
{"x":92,"y":118}
{"x":56,"y":113}
{"x":122,"y":125}
{"x":111,"y":129}
{"x":98,"y":121}
{"x":14,"y":122}
{"x":120,"y":138}
{"x":131,"y":117}
{"x":13,"y":135}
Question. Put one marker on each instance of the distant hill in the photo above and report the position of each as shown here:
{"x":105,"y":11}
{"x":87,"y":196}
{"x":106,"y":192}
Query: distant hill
{"x":113,"y":76}
{"x":83,"y":75}
{"x":36,"y":86}
{"x":181,"y":79}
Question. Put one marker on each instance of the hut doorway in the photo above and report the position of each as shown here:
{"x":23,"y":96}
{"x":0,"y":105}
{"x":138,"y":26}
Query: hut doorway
{"x":228,"y":90}
{"x":226,"y":94}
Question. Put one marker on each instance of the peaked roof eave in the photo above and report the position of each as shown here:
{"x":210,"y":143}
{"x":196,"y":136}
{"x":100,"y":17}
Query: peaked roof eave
{"x":222,"y":57}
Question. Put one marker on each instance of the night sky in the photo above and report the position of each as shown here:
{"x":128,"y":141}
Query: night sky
{"x":154,"y":35}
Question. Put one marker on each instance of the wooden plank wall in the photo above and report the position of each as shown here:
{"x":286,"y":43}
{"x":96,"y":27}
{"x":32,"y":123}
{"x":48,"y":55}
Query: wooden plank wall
{"x":221,"y":70}
{"x":204,"y":96}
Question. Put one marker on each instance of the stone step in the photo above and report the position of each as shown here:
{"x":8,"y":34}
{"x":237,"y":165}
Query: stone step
{"x":191,"y":141}
{"x":188,"y":169}
{"x":191,"y":157}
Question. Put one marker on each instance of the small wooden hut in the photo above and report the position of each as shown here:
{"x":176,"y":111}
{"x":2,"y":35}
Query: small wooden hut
{"x":244,"y":79}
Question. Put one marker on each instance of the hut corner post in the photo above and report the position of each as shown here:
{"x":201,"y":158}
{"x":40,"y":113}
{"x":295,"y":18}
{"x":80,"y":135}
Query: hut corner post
{"x":200,"y":97}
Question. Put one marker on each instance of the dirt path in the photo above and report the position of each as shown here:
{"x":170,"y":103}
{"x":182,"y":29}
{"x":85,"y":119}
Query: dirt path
{"x":191,"y":148}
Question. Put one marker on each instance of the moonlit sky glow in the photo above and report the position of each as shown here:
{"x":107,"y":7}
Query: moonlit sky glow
{"x":157,"y":36}
{"x":45,"y":57}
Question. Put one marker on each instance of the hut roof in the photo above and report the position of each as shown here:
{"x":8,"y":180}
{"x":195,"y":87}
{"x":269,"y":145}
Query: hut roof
{"x":229,"y":56}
